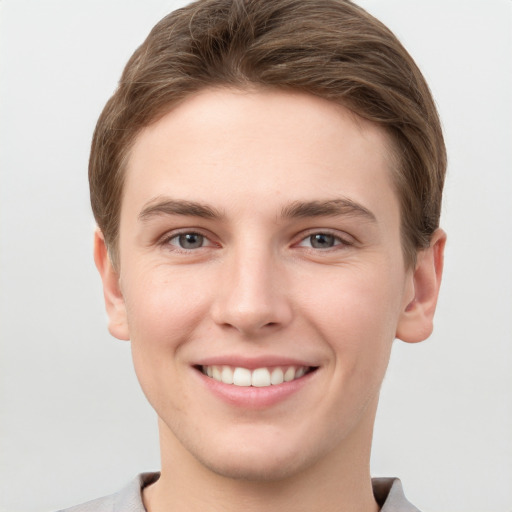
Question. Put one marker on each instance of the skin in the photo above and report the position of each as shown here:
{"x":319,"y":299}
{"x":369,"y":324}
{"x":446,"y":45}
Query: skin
{"x":269,"y":174}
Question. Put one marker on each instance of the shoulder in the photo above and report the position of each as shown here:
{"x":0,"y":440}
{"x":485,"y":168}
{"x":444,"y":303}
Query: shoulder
{"x":104,"y":504}
{"x":128,"y":499}
{"x":389,"y":494}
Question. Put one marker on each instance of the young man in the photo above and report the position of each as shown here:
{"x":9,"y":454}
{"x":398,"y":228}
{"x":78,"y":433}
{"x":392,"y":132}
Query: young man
{"x":267,"y":184}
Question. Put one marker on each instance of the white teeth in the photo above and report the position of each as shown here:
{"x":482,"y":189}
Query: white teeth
{"x":260,"y":377}
{"x":227,"y":375}
{"x":276,"y":377}
{"x":300,"y":372}
{"x":289,"y":374}
{"x":217,"y":373}
{"x":242,"y":377}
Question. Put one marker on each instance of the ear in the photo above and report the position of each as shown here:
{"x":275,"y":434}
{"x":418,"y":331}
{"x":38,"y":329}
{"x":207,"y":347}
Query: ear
{"x":114,"y":301}
{"x":416,"y":319}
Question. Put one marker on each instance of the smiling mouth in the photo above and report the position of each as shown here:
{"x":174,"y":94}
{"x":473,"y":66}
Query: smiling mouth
{"x":259,"y":377}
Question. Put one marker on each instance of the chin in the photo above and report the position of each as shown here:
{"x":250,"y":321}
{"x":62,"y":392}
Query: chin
{"x":256,"y":469}
{"x":261,"y":458}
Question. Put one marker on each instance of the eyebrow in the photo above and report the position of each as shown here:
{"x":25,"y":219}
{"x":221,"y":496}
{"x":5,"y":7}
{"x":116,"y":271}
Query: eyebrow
{"x":330,"y":208}
{"x":297,"y":209}
{"x":166,"y":206}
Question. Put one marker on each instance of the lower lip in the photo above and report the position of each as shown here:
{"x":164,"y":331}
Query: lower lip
{"x":254,"y":397}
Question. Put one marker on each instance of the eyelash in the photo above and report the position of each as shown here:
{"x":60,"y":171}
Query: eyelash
{"x":337,"y":240}
{"x":167,"y":241}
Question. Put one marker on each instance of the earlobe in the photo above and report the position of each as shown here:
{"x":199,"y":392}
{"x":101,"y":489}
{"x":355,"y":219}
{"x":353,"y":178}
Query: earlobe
{"x":416,"y":320}
{"x":114,"y":301}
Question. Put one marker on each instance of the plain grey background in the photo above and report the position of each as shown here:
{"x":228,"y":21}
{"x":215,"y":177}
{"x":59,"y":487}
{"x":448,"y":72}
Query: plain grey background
{"x":74,"y":424}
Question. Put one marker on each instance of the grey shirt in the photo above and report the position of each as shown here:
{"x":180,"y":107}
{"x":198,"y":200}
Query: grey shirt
{"x":388,"y":493}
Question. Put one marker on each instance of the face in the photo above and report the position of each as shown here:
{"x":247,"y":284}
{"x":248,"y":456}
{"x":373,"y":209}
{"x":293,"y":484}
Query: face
{"x":261,"y":278}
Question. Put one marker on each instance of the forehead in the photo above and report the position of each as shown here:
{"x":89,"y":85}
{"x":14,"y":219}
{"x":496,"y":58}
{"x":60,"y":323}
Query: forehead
{"x":263,"y":146}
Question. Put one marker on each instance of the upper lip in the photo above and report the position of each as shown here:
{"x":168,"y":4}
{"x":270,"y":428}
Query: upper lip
{"x":251,"y":363}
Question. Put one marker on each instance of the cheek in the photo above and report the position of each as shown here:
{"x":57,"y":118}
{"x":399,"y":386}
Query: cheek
{"x":367,"y":301}
{"x":163,"y":314}
{"x":357,"y":317}
{"x":162,"y":307}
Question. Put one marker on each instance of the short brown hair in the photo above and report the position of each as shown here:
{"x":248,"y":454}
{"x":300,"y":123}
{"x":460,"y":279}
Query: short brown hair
{"x":328,"y":48}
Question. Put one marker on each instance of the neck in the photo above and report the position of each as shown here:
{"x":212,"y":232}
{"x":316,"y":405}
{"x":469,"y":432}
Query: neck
{"x":340,"y":481}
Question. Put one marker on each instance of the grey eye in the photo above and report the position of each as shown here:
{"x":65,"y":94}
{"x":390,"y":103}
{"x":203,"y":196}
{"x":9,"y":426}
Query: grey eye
{"x":322,"y":241}
{"x":190,"y":240}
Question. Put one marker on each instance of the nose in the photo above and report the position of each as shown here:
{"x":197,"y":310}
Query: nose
{"x":252,"y":296}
